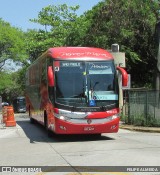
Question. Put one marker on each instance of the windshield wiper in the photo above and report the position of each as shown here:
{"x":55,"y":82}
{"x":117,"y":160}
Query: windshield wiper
{"x":97,"y":82}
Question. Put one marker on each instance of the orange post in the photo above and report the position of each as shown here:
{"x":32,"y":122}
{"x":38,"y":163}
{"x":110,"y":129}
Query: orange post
{"x":10,"y":117}
{"x":4,"y":114}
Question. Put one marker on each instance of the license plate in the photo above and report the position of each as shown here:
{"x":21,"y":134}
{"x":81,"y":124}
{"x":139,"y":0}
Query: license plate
{"x":88,"y":128}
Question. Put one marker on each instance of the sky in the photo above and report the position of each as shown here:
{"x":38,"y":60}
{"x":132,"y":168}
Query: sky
{"x":18,"y":12}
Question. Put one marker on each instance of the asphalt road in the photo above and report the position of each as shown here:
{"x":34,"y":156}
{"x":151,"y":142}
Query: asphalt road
{"x":28,"y":145}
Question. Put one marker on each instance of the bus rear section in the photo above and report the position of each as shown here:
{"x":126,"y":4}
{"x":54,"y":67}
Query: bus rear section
{"x":78,"y":93}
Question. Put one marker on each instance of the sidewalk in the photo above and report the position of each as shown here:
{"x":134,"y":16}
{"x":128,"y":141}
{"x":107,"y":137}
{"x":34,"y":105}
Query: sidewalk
{"x":139,"y":128}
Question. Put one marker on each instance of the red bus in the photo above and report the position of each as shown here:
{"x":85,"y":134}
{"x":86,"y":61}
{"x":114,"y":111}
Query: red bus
{"x":74,"y":90}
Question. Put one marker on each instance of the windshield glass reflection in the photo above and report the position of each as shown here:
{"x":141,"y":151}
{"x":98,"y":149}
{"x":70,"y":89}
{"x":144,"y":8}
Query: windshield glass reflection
{"x":79,"y":82}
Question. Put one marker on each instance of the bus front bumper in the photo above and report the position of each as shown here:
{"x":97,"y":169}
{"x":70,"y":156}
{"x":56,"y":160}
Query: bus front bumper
{"x":65,"y":127}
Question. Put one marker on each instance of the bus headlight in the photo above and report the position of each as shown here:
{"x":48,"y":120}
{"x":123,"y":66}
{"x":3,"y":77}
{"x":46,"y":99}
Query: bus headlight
{"x":63,"y":118}
{"x":115,"y":116}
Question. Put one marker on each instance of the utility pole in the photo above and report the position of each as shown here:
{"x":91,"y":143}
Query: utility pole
{"x":0,"y":103}
{"x":158,"y":56}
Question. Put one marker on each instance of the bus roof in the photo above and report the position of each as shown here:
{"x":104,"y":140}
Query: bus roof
{"x":82,"y":53}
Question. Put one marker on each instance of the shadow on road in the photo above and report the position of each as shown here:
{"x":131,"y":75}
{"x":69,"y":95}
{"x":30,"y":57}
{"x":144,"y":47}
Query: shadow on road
{"x":37,"y":133}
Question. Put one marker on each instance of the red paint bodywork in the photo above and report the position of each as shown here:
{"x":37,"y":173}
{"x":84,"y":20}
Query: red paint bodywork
{"x":55,"y":124}
{"x":124,"y":75}
{"x":80,"y":128}
{"x":82,"y":53}
{"x":103,"y":127}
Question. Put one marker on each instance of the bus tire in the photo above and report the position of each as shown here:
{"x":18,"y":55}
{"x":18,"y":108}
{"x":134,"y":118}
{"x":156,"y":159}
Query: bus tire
{"x":29,"y":111}
{"x":32,"y":121}
{"x":49,"y":133}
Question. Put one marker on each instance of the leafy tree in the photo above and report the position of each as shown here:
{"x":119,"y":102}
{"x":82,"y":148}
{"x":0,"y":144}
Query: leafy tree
{"x":20,"y":79}
{"x":35,"y":43}
{"x":11,"y":44}
{"x":79,"y":31}
{"x":57,"y":22}
{"x":9,"y":88}
{"x":131,"y":24}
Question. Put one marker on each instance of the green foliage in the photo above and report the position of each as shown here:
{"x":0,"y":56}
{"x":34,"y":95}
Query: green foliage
{"x":35,"y":43}
{"x":12,"y":44}
{"x":56,"y":16}
{"x":9,"y":88}
{"x":78,"y":33}
{"x":57,"y":22}
{"x":131,"y":24}
{"x":5,"y":81}
{"x":20,"y":79}
{"x":142,"y":120}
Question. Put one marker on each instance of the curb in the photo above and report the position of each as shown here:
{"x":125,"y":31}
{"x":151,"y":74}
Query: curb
{"x":140,"y":128}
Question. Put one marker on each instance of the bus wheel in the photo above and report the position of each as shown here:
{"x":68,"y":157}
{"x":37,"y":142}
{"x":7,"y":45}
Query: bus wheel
{"x":32,"y":121}
{"x":29,"y":111}
{"x":49,"y":133}
{"x":30,"y":115}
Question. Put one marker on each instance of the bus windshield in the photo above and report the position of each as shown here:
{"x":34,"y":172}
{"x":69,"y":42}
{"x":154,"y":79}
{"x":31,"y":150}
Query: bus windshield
{"x":77,"y":83}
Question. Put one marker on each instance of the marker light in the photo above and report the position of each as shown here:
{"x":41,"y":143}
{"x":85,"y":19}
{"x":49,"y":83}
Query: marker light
{"x":56,"y":110}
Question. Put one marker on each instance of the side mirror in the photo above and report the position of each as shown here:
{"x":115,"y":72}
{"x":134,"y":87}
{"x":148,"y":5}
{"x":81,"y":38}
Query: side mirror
{"x":50,"y":76}
{"x":124,"y":76}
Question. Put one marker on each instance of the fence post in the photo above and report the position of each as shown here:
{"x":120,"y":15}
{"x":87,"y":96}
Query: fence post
{"x":146,"y":112}
{"x":155,"y":104}
{"x":0,"y":103}
{"x":129,"y":116}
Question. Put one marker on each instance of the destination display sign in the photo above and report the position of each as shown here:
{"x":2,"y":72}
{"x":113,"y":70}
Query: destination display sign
{"x":71,"y":64}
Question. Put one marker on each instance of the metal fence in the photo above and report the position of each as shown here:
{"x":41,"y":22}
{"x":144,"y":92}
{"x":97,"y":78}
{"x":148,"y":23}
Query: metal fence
{"x":141,"y":107}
